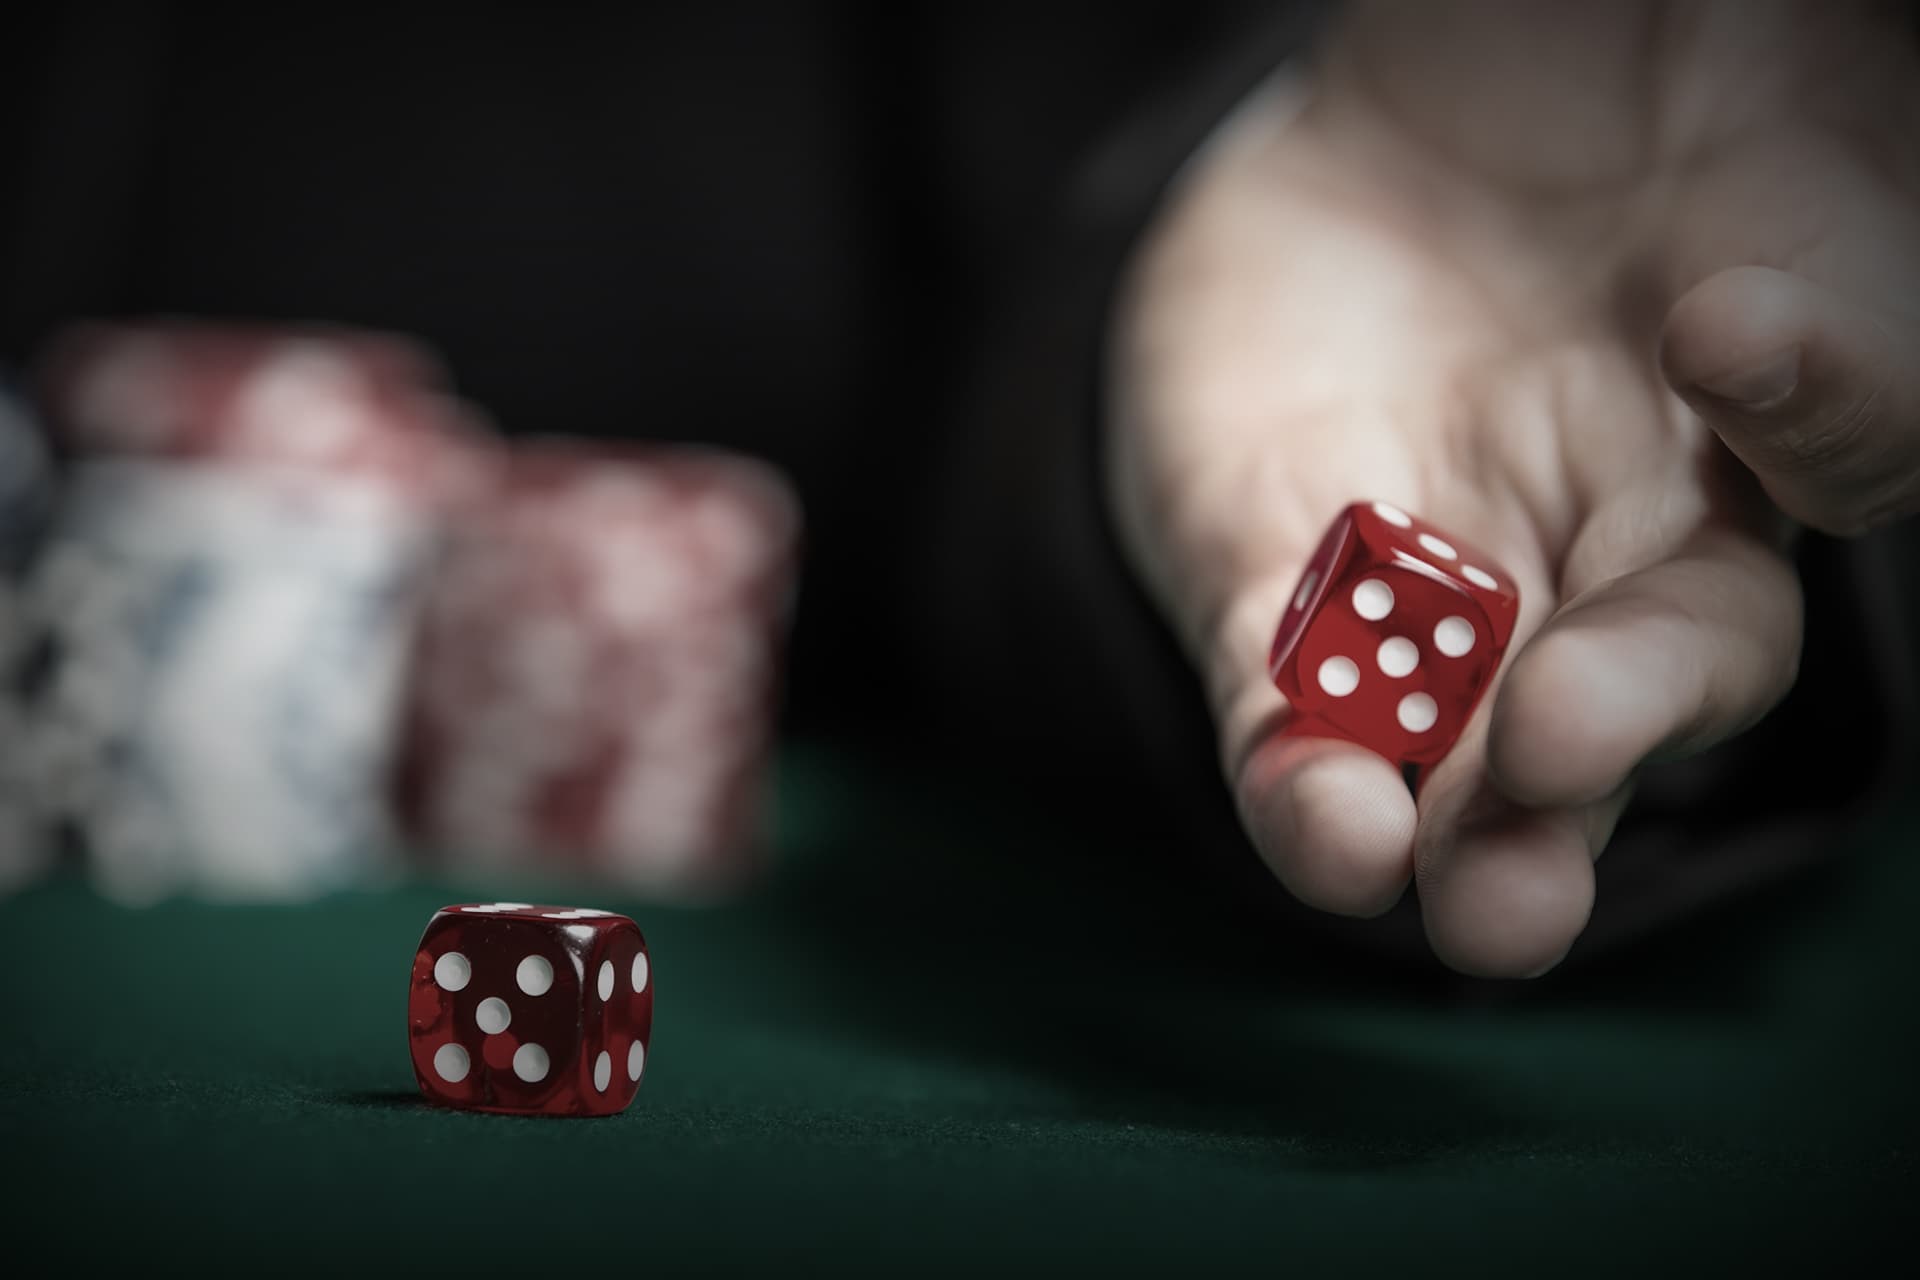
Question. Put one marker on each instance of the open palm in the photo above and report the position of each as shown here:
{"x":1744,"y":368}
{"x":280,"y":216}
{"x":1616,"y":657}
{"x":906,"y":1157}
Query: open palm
{"x":1612,"y":294}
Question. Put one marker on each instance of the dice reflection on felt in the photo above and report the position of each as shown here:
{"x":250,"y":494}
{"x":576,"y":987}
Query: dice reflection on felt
{"x":532,"y":1010}
{"x":1392,"y":634}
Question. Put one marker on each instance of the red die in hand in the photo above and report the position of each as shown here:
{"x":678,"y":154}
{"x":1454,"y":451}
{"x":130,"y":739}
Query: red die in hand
{"x":530,"y":1010}
{"x":1393,"y":634}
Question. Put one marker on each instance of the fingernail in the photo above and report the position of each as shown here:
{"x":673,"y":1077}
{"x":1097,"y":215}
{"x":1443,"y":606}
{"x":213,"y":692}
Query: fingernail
{"x":1758,"y":386}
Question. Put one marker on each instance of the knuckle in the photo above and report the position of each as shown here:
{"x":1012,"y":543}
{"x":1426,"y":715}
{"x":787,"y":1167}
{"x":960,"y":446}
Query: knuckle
{"x":1849,"y":469}
{"x":1836,"y":438}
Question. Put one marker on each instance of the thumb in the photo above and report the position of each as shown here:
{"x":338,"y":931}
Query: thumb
{"x":1817,"y":395}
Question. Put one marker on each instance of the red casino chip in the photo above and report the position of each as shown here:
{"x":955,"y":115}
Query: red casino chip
{"x":597,"y":670}
{"x":339,"y":405}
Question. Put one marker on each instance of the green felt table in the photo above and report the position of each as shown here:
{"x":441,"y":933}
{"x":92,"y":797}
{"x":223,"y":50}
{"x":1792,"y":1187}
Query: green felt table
{"x":927,"y":1043}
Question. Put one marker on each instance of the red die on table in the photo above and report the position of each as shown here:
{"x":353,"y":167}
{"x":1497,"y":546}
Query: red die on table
{"x":530,"y":1010}
{"x":1393,"y":634}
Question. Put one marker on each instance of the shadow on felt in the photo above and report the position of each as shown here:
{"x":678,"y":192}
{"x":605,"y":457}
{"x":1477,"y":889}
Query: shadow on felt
{"x":379,"y":1100}
{"x":1155,"y":990}
{"x":977,"y":941}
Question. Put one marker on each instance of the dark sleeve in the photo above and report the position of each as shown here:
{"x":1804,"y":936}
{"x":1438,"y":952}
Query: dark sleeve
{"x":1047,"y":661}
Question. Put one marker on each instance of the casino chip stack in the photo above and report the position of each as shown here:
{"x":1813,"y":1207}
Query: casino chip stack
{"x":225,"y":599}
{"x":597,"y":671}
{"x":24,"y":482}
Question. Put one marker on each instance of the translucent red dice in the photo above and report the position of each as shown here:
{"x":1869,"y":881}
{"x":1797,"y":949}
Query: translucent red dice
{"x":1392,"y":634}
{"x":530,"y":1010}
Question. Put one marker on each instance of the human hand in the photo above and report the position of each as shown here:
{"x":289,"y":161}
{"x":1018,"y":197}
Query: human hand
{"x":1546,"y":275}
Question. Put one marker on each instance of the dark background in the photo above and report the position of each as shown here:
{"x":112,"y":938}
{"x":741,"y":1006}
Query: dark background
{"x":871,"y":243}
{"x":789,"y":229}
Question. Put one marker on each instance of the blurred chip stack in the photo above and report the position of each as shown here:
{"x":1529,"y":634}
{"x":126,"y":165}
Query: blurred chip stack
{"x":598,"y":669}
{"x":224,"y":602}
